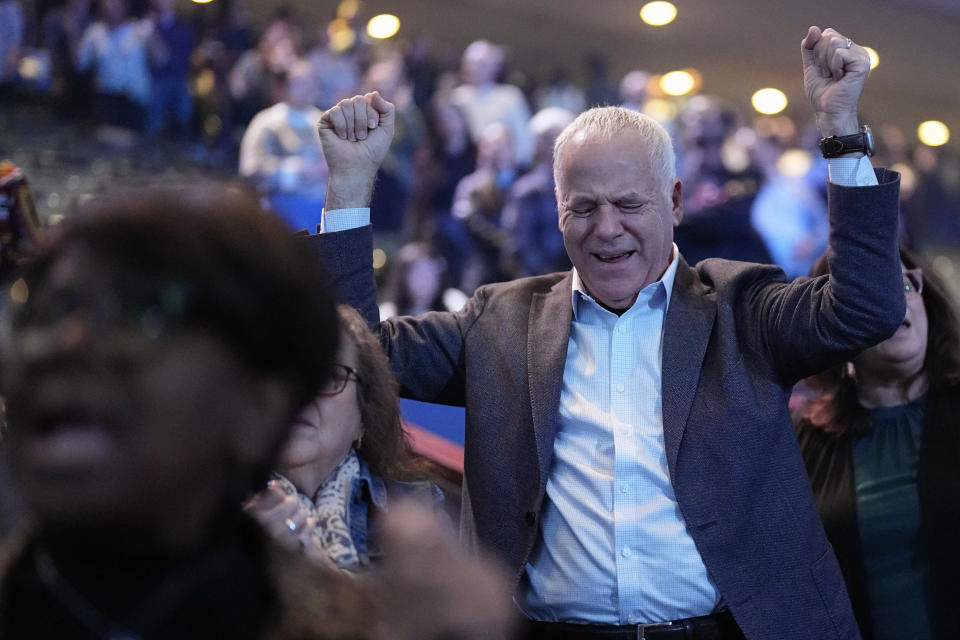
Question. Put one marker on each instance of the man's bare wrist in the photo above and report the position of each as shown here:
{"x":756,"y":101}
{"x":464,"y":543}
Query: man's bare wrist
{"x":349,"y":192}
{"x":838,"y":125}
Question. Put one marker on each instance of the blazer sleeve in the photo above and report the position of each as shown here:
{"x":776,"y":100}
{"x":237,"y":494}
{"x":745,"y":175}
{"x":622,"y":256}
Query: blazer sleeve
{"x":806,"y":325}
{"x":426,"y":352}
{"x":348,"y":256}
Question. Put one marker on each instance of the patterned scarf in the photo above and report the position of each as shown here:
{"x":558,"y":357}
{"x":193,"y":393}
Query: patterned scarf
{"x":332,"y":508}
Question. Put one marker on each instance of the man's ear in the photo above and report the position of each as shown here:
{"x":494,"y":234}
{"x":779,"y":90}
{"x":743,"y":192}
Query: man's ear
{"x":676,"y":199}
{"x":556,"y":194}
{"x":267,"y":418}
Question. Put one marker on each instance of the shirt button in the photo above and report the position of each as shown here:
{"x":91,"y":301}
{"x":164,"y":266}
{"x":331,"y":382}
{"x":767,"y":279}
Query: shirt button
{"x":626,"y":552}
{"x":624,"y":487}
{"x":619,"y":388}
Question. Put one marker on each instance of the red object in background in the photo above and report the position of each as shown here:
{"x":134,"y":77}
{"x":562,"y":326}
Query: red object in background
{"x":443,"y":452}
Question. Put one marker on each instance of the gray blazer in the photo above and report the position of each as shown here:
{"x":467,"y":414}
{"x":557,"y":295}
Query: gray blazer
{"x":736,"y":338}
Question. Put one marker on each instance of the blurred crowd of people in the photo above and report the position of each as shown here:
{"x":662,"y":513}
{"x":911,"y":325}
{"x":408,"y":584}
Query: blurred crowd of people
{"x":467,"y":187}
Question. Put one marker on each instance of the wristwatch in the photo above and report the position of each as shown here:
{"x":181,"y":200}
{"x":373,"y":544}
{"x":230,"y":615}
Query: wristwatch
{"x":836,"y":146}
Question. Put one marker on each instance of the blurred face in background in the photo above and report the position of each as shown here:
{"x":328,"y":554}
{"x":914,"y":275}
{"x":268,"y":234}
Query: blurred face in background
{"x":114,"y":12}
{"x":164,"y":6}
{"x":495,"y":147}
{"x":385,"y":76}
{"x":633,"y":88}
{"x":302,"y":90}
{"x":481,"y":63}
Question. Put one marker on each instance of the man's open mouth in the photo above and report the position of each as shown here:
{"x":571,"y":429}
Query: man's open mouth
{"x":613,"y":257}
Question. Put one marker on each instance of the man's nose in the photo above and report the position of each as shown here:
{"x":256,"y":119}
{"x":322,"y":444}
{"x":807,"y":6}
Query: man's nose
{"x":607,"y":222}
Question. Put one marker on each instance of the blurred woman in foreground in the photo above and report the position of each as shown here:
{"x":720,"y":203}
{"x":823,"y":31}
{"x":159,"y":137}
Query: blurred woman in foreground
{"x":155,"y":353}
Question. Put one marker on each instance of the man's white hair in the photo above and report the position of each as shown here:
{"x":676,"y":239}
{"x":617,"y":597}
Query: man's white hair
{"x":605,"y":123}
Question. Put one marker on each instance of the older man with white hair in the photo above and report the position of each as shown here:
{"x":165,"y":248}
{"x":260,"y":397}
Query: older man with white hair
{"x":629,"y":451}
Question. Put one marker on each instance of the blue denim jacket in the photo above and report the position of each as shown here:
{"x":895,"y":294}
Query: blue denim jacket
{"x":369,"y":499}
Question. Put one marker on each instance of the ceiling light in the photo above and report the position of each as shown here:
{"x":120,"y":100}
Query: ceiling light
{"x":794,"y":163}
{"x":769,"y":101}
{"x":383,"y":26}
{"x":933,"y":133}
{"x":677,"y":83}
{"x":658,"y":13}
{"x":660,"y":110}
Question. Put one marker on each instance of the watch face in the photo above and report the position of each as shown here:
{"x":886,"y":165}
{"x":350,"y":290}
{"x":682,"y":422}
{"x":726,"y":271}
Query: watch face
{"x":868,"y":140}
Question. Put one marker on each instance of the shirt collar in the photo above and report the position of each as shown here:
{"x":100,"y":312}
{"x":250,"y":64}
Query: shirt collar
{"x":375,"y":485}
{"x":579,"y":292}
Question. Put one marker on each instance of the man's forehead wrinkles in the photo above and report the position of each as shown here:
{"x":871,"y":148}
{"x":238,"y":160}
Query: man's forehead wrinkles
{"x":602,"y":194}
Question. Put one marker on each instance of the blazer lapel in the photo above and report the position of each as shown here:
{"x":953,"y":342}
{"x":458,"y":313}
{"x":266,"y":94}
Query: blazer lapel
{"x":548,"y":332}
{"x":686,"y":334}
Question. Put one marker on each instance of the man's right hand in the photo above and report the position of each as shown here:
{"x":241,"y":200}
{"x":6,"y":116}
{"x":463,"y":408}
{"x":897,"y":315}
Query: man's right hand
{"x":355,"y":136}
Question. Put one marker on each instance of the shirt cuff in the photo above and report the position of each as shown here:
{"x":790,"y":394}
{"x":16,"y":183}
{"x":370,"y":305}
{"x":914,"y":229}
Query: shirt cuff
{"x":851,"y":172}
{"x":344,"y":219}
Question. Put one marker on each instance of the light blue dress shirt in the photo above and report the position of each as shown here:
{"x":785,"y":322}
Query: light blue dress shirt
{"x":614,"y":547}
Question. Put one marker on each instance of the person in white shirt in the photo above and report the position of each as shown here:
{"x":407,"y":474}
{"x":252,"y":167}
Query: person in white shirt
{"x":280,"y":153}
{"x":485,"y":101}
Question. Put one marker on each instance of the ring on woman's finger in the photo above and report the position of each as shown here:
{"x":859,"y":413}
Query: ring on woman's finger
{"x":290,"y":525}
{"x":847,"y":43}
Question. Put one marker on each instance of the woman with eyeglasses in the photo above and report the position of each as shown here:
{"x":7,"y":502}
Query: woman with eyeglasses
{"x":881,"y":443}
{"x":346,"y":456}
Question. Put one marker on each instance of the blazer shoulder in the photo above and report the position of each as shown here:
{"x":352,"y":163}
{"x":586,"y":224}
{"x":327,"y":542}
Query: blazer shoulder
{"x":525,"y":287}
{"x":719,"y":274}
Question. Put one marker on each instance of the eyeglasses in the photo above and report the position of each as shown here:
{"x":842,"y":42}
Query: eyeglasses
{"x":913,"y":281}
{"x":337,"y":381}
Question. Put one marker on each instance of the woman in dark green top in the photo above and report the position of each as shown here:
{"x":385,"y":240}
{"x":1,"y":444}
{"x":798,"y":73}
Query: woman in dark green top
{"x":881,"y":442}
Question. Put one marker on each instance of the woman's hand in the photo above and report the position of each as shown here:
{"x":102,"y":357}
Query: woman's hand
{"x":282,"y":514}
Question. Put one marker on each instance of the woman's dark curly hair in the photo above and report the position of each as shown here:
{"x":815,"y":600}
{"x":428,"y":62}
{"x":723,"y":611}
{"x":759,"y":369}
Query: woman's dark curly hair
{"x":204,"y":256}
{"x":385,"y":445}
{"x":836,"y":410}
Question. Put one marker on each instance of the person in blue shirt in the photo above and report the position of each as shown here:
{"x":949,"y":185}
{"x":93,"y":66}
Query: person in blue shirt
{"x":170,"y":47}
